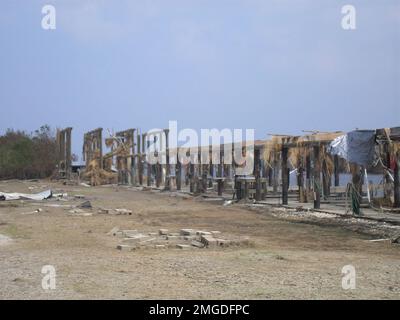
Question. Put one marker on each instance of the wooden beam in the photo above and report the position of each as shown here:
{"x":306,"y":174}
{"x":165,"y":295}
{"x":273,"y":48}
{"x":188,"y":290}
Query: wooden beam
{"x":285,"y":177}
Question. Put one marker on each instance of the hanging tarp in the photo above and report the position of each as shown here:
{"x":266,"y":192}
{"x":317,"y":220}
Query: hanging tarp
{"x":355,"y":146}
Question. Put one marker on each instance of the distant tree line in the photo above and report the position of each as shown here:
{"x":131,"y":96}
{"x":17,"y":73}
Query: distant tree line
{"x":27,"y":156}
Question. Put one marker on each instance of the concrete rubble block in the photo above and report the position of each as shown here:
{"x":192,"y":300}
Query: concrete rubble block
{"x":189,"y":238}
{"x":187,"y":232}
{"x":85,"y":205}
{"x":113,"y":231}
{"x":174,"y":234}
{"x":172,"y":237}
{"x":183,"y":246}
{"x":203,"y":233}
{"x":163,"y":232}
{"x":130,"y":233}
{"x":209,"y":241}
{"x":214,"y":233}
{"x":223,"y":243}
{"x":103,"y":211}
{"x":145,"y":242}
{"x":160,"y":246}
{"x":125,"y":247}
{"x":197,"y":244}
{"x":123,"y":211}
{"x":137,"y":239}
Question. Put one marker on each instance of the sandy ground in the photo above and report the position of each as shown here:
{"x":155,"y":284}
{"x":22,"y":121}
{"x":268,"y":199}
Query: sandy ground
{"x":290,"y":258}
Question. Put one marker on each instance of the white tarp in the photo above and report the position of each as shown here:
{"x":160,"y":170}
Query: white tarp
{"x":356,"y":146}
{"x":26,"y":196}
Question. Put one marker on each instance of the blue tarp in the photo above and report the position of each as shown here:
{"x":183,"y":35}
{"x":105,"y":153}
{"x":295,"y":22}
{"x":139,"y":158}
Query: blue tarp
{"x":356,"y":146}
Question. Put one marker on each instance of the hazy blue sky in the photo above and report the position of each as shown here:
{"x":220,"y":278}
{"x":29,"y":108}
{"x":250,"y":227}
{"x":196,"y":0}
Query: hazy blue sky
{"x":275,"y":66}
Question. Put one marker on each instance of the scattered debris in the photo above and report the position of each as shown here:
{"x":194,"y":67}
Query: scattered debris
{"x":86,"y":205}
{"x":123,"y":211}
{"x":32,"y":212}
{"x":184,"y":240}
{"x":25,"y":196}
{"x":227,"y":203}
{"x":113,"y":231}
{"x":83,"y":184}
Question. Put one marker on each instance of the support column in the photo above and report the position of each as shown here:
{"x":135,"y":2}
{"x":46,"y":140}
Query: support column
{"x":397,"y":181}
{"x":308,"y":174}
{"x":257,"y":163}
{"x":167,"y":168}
{"x":300,"y":178}
{"x":317,"y":178}
{"x":178,"y":172}
{"x":220,"y":177}
{"x":357,"y":188}
{"x":285,"y":177}
{"x":325,"y":180}
{"x":336,"y":164}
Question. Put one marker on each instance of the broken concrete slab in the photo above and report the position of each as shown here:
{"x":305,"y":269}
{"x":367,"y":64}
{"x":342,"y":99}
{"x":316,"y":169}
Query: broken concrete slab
{"x":163,"y":232}
{"x":86,"y":205}
{"x":187,"y":232}
{"x":125,"y":247}
{"x":183,"y":246}
{"x":208,"y":240}
{"x":123,"y":211}
{"x":130,"y":233}
{"x":201,"y":233}
{"x":136,"y":239}
{"x":160,"y":246}
{"x":197,"y":244}
{"x":113,"y":231}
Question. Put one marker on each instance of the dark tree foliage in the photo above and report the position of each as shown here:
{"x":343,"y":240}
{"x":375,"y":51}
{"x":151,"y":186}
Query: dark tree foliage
{"x":27,"y":156}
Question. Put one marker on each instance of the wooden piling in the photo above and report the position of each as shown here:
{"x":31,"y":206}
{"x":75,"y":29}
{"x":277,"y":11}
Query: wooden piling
{"x":317,"y":177}
{"x":285,"y":177}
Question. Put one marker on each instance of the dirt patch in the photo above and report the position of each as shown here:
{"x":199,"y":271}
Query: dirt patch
{"x":288,"y":260}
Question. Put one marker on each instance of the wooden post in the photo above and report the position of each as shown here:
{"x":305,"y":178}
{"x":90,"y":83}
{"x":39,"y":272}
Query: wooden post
{"x":397,"y":181}
{"x":139,"y":158}
{"x":285,"y":177}
{"x":275,"y":173}
{"x":308,"y":174}
{"x":191,"y":175}
{"x":257,"y":164}
{"x":325,"y":179}
{"x":357,"y":185}
{"x":178,"y":172}
{"x":68,"y":155}
{"x":317,"y":177}
{"x":220,"y":177}
{"x":336,"y":165}
{"x":210,"y":168}
{"x":300,"y":178}
{"x":167,"y":185}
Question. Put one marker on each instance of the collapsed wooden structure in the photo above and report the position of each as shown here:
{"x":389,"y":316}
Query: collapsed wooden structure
{"x":146,"y":159}
{"x":64,"y":155}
